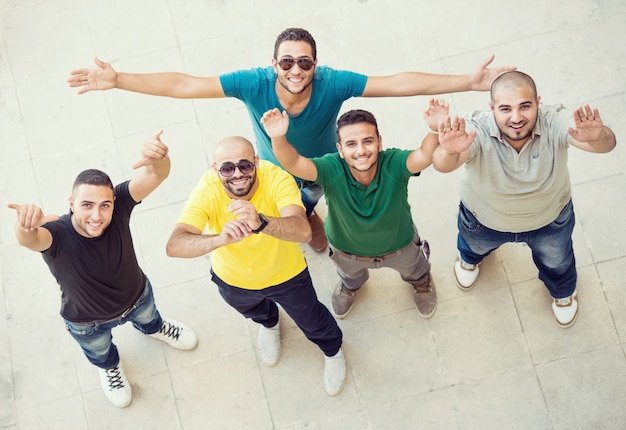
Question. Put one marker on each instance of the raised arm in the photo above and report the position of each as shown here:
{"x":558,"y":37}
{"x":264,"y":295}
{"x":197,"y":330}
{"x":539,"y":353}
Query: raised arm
{"x":276,"y":125}
{"x":28,"y":229}
{"x":589,"y":132}
{"x":422,"y":157}
{"x":156,"y":167}
{"x":417,"y":83}
{"x":169,"y":84}
{"x":454,"y":143}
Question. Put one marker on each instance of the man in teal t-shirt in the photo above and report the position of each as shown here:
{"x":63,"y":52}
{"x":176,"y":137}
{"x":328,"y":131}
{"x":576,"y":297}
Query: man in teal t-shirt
{"x":312,"y":95}
{"x":369,"y":222}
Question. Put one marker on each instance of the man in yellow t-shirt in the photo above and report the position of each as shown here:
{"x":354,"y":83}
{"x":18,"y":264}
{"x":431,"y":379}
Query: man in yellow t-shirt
{"x":248,"y":214}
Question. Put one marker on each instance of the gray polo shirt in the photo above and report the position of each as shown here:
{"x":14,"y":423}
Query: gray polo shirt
{"x":512,"y":192}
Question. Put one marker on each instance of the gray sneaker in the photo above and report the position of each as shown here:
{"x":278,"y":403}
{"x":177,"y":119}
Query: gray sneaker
{"x":342,"y":300}
{"x":425,"y":297}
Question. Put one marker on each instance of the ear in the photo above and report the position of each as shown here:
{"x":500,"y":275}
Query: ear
{"x":538,"y":99}
{"x":275,"y":65}
{"x":215,"y":169}
{"x":491,"y":107}
{"x":380,"y":143}
{"x":256,"y":161}
{"x":338,"y":145}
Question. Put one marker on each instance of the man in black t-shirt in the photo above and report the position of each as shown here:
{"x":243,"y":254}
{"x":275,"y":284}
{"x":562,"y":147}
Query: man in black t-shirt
{"x":90,"y":253}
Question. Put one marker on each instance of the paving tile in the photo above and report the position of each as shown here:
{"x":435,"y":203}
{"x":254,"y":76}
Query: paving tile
{"x":594,"y":383}
{"x":479,"y":335}
{"x":511,"y":400}
{"x":484,"y":353}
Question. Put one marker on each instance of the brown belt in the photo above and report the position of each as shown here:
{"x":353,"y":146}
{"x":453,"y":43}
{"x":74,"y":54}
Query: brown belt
{"x":377,"y":259}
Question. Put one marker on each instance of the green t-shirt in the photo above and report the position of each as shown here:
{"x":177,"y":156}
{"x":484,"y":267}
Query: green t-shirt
{"x":368,"y":221}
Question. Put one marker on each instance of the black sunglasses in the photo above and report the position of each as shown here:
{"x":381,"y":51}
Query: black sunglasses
{"x":305,"y":63}
{"x":228,"y":169}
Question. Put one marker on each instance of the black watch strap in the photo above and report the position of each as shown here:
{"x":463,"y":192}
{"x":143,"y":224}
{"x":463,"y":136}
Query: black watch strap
{"x":264,"y":222}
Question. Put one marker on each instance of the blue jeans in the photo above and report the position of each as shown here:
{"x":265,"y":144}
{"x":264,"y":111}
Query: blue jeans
{"x":298,"y":298}
{"x":96,"y":340}
{"x":311,"y":194}
{"x":551,"y":246}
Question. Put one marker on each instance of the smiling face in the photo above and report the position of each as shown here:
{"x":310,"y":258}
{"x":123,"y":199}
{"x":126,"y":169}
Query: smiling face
{"x":92,"y":209}
{"x":295,"y":80}
{"x":515,"y":111}
{"x":359,"y":144}
{"x":234,"y":150}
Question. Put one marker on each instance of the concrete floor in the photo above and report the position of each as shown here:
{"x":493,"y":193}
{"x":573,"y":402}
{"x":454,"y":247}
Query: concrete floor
{"x":491,"y":358}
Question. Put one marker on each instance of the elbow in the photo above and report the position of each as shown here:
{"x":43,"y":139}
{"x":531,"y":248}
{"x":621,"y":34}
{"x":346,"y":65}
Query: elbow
{"x":170,"y":250}
{"x":307,"y":236}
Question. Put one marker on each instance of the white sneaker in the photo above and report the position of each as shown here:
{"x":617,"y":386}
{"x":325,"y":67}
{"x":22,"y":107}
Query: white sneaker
{"x":465,"y":273}
{"x":269,"y":344}
{"x":334,"y":373}
{"x":116,"y":386}
{"x":565,"y":310}
{"x":176,"y":334}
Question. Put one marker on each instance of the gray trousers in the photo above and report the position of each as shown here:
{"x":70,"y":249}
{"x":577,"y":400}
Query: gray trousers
{"x":411,"y":262}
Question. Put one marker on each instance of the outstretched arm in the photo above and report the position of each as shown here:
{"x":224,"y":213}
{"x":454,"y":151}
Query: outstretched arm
{"x":156,"y":167}
{"x":276,"y":125}
{"x":170,"y":84}
{"x":589,"y":133}
{"x":417,"y":83}
{"x":454,"y":143}
{"x":28,"y":229}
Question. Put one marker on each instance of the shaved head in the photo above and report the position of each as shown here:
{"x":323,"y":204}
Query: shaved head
{"x":512,"y":81}
{"x":233,"y":147}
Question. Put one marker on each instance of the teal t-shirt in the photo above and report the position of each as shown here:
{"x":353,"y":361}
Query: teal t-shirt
{"x":312,"y":132}
{"x":368,"y":221}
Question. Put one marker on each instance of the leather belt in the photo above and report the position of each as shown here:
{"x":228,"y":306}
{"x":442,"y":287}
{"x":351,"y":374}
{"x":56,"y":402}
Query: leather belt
{"x":376,"y":259}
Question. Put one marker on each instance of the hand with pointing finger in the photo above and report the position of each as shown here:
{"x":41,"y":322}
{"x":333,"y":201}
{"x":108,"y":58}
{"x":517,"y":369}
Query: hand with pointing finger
{"x":153,"y":151}
{"x":30,"y":216}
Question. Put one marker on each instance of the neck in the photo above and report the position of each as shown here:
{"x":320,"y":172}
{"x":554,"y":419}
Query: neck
{"x":364,"y":178}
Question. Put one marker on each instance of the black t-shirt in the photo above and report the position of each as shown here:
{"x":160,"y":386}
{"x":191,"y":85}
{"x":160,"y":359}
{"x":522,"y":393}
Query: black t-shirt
{"x":99,"y":277}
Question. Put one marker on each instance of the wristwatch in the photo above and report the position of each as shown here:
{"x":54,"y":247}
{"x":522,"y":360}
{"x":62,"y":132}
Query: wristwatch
{"x":264,"y":222}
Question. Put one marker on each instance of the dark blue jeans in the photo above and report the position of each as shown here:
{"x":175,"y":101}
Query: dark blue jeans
{"x":551,"y":246}
{"x":96,"y":340}
{"x":311,"y":193}
{"x":298,"y":298}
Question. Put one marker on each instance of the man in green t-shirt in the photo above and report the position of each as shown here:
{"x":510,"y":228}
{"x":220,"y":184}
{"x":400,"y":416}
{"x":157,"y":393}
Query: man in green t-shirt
{"x":369,"y":222}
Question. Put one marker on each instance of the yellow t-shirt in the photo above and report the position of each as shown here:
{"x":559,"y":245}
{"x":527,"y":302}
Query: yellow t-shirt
{"x":260,"y":260}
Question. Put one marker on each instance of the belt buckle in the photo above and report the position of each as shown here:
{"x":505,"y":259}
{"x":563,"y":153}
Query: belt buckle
{"x":127,"y":311}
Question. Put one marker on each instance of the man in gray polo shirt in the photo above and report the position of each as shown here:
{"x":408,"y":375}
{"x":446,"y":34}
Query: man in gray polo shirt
{"x":516,"y":185}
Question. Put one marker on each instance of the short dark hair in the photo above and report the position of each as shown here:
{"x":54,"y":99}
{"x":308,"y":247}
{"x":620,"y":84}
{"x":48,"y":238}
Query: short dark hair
{"x":295,"y":35}
{"x":93,"y":177}
{"x":356,"y":116}
{"x":513,"y":79}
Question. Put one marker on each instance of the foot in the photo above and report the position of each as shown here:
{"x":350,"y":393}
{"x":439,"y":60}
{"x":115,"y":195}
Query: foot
{"x":269,"y":344}
{"x":425,"y":297}
{"x":116,"y":386}
{"x":318,"y":241}
{"x":334,"y":373}
{"x":176,"y":334}
{"x":565,"y":310}
{"x":465,"y":274}
{"x":342,"y":300}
